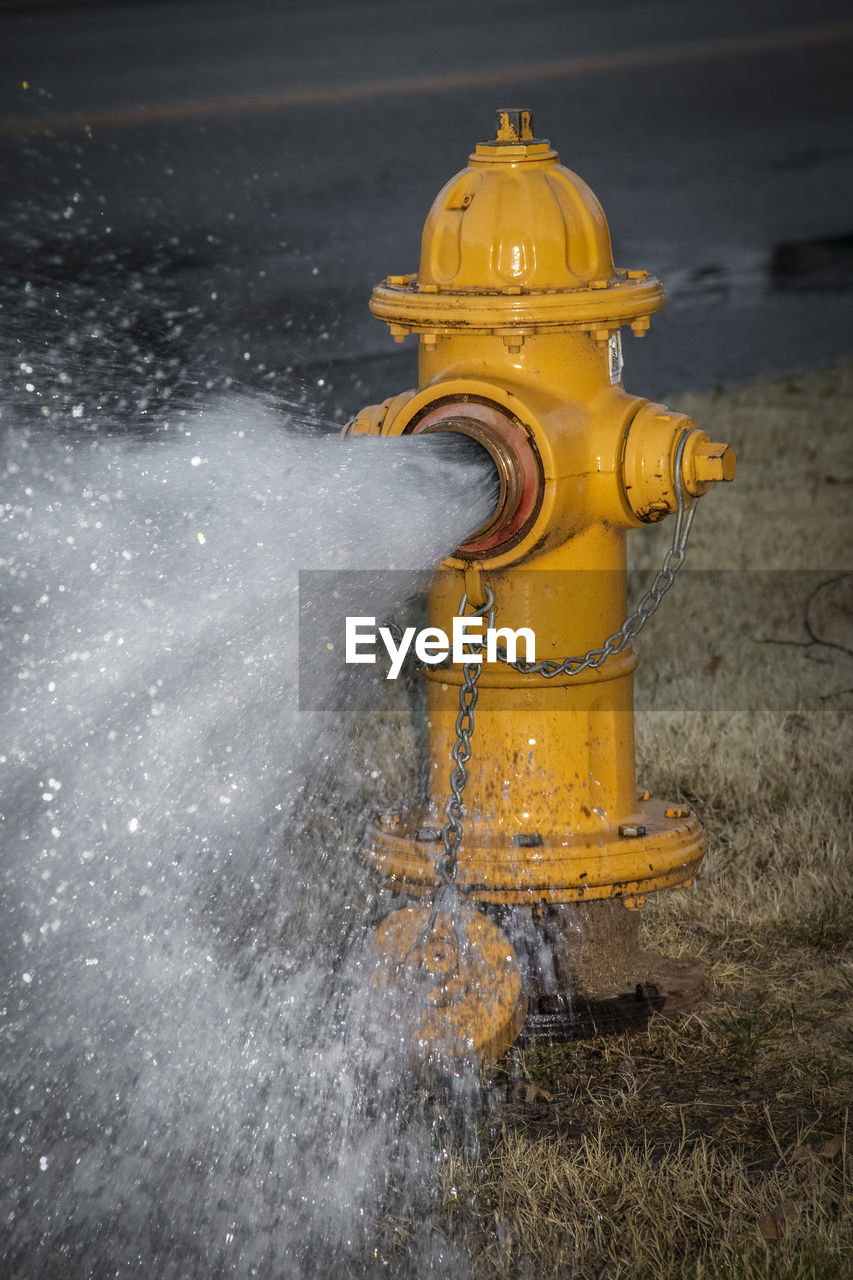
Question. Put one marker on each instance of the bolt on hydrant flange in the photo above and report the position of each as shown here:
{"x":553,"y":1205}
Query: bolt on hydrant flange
{"x":519,"y":309}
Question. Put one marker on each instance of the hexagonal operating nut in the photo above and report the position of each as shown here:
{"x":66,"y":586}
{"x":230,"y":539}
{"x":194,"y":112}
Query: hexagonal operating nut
{"x":714,"y":462}
{"x":707,"y":462}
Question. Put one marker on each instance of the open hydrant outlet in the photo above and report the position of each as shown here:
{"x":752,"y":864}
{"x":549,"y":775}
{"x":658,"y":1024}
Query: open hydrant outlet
{"x":517,"y":464}
{"x":518,"y":309}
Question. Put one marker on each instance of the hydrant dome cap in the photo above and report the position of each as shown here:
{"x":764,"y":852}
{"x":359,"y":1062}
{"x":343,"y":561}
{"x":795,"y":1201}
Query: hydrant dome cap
{"x":515,"y":239}
{"x":515,"y":220}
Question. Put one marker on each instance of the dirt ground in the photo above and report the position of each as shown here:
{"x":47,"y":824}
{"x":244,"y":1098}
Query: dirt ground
{"x":718,"y":1145}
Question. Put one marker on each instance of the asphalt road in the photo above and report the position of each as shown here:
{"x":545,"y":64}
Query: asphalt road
{"x":212,"y":189}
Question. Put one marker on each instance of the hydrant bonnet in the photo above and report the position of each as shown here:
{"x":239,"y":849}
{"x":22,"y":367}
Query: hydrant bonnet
{"x":515,"y":242}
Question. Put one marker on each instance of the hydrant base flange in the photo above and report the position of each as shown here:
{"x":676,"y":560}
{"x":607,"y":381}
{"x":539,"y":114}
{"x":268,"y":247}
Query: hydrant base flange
{"x":656,"y":847}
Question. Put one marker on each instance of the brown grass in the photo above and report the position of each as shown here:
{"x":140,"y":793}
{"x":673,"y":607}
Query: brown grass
{"x":718,"y":1146}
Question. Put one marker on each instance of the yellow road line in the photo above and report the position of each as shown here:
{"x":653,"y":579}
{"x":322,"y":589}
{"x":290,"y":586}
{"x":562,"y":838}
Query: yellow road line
{"x":509,"y":77}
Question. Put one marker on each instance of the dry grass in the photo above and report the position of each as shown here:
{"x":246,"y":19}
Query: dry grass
{"x":611,"y":1207}
{"x":718,"y":1146}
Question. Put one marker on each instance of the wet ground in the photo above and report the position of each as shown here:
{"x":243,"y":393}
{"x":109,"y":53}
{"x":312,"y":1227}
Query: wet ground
{"x":203,"y":191}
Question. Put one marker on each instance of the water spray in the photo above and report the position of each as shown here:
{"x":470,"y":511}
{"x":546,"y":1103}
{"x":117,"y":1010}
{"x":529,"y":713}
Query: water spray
{"x":527,"y":863}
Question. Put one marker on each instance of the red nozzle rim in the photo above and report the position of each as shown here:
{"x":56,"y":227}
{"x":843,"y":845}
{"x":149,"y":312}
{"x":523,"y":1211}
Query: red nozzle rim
{"x":516,"y":459}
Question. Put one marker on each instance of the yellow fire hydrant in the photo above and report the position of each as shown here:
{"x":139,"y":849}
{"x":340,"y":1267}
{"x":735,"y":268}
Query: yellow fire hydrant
{"x":519,"y":310}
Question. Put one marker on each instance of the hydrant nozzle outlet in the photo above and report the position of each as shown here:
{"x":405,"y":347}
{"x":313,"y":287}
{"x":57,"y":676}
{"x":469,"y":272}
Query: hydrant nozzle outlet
{"x":651,"y":447}
{"x":507,"y":454}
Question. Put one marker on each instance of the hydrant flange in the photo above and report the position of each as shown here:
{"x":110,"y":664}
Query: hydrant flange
{"x":646,"y":851}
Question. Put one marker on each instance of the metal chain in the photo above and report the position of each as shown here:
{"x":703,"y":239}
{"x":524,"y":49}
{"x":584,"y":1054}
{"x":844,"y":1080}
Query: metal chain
{"x":447,"y":897}
{"x":451,"y":836}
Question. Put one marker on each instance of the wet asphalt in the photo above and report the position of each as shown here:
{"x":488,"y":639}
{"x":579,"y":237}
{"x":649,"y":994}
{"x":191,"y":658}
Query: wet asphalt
{"x":215,"y":187}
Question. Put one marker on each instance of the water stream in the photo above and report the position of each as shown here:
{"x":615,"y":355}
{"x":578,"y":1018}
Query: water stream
{"x":193,"y":1082}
